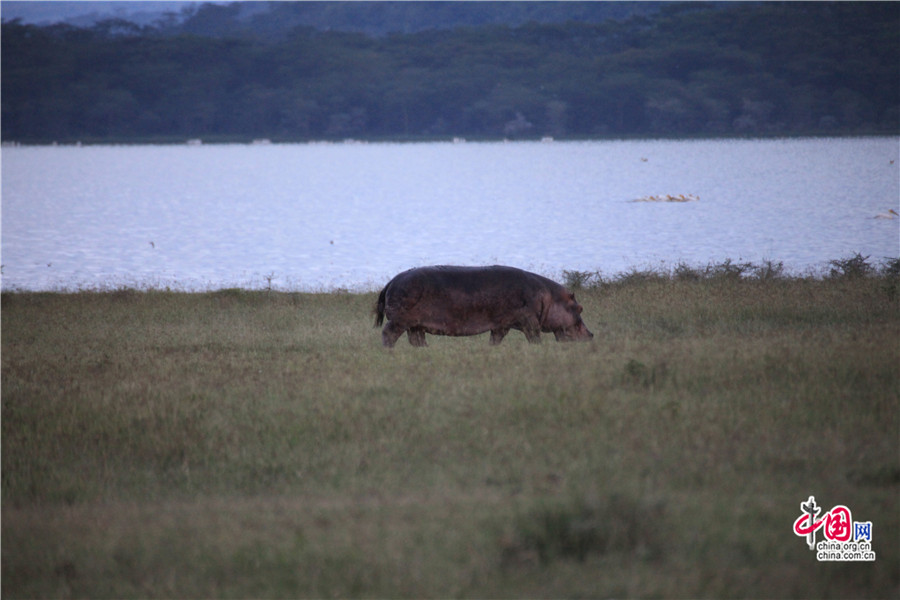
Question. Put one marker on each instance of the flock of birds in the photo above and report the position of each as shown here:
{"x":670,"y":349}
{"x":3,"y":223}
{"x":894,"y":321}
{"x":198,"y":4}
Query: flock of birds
{"x":890,"y":214}
{"x":669,"y":198}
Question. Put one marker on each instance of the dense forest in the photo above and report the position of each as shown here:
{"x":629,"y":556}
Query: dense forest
{"x":380,"y":17}
{"x":684,"y":70}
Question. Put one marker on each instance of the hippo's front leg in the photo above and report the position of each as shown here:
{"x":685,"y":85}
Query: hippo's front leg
{"x":532,"y":330}
{"x":416,"y":336}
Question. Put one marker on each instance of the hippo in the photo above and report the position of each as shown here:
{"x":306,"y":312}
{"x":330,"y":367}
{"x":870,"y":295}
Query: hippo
{"x":447,"y":300}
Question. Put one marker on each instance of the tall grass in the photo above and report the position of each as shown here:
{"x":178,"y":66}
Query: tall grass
{"x":235,"y":444}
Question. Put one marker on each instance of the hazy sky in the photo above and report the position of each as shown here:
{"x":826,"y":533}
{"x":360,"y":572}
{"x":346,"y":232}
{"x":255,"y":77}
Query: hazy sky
{"x":52,"y":12}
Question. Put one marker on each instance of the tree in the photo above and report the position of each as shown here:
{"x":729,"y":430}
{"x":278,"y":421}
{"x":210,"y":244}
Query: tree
{"x":745,"y":69}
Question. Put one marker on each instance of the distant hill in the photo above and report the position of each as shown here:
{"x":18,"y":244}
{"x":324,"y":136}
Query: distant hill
{"x":380,"y":18}
{"x":86,"y":14}
{"x":265,"y":20}
{"x":268,"y":70}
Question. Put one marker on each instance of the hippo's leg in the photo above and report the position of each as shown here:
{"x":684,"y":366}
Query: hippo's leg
{"x":390,"y":334}
{"x":416,"y":336}
{"x":532,"y":330}
{"x":497,"y":335}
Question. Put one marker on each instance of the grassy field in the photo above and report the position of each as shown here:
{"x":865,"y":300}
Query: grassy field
{"x":263,"y":444}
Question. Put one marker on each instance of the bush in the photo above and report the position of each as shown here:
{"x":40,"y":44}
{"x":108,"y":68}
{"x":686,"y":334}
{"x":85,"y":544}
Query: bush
{"x":891,"y":267}
{"x":579,"y":280}
{"x":769,"y":270}
{"x":851,"y":268}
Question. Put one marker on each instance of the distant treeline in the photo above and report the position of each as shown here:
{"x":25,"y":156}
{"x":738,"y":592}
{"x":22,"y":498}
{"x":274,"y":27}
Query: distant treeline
{"x":687,"y":70}
{"x":273,"y":20}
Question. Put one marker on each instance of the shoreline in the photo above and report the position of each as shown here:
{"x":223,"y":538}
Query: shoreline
{"x":767,"y":270}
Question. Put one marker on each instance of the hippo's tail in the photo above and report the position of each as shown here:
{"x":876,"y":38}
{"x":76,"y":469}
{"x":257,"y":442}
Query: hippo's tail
{"x":379,"y":308}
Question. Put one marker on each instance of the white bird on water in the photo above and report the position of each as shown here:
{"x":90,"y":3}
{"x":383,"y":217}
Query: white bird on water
{"x":890,"y":214}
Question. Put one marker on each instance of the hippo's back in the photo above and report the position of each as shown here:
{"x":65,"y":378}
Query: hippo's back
{"x":469,"y":279}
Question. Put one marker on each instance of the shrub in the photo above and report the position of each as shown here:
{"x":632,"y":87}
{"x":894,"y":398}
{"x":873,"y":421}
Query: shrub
{"x":891,"y":267}
{"x":641,"y":276}
{"x":851,"y":268}
{"x":768,"y":270}
{"x":685,"y":272}
{"x":579,"y":280}
{"x":729,"y":270}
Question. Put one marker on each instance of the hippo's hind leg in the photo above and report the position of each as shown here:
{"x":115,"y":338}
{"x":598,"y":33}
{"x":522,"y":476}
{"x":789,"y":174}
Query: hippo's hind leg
{"x":416,"y":336}
{"x":390,"y":334}
{"x":497,"y":335}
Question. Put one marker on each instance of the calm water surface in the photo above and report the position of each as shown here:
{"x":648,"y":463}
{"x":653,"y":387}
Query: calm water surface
{"x":312,"y":216}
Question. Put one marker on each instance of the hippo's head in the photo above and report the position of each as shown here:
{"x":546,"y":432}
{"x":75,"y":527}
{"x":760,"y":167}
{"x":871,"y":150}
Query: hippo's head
{"x":564,"y":319}
{"x":577,"y":333}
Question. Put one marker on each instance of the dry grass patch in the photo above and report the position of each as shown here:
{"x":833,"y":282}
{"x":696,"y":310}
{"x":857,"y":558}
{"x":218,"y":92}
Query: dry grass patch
{"x":238,"y":444}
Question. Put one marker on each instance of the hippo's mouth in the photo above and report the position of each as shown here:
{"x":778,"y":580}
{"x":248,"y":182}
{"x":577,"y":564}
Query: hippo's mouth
{"x":574,"y":334}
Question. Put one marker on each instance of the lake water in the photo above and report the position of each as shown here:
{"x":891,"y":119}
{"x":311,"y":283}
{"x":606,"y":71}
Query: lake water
{"x":320,"y":217}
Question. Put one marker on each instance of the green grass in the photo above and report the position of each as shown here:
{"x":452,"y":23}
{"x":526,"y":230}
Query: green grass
{"x":263,"y":444}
